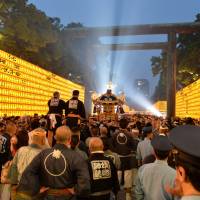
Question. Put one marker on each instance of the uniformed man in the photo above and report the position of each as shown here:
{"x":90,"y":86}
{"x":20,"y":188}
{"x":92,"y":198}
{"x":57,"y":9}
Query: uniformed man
{"x":185,"y":140}
{"x":103,"y":173}
{"x":59,"y":170}
{"x":125,"y":146}
{"x":56,"y":107}
{"x":154,"y":177}
{"x":75,"y":110}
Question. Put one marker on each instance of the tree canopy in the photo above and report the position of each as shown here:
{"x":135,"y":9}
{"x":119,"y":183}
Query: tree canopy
{"x":28,"y":33}
{"x":24,"y":28}
{"x":188,"y":63}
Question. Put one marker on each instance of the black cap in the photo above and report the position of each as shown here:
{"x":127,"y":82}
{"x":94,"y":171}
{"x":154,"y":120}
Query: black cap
{"x":161,"y":143}
{"x":76,"y":92}
{"x":186,"y":138}
{"x":147,"y":129}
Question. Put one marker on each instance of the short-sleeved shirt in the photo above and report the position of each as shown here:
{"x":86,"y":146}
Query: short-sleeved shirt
{"x":144,"y":149}
{"x":152,"y":179}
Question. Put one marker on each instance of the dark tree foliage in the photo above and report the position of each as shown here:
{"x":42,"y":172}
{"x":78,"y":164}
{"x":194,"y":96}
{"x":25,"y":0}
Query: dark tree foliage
{"x":28,"y":33}
{"x":188,"y":63}
{"x":24,"y":29}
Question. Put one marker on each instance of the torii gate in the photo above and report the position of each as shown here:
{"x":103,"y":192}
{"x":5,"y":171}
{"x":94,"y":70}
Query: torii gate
{"x":148,"y":29}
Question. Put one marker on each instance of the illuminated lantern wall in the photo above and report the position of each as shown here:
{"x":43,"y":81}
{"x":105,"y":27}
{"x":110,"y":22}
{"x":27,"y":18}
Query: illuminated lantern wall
{"x":161,"y":106}
{"x":26,"y":88}
{"x":187,"y":101}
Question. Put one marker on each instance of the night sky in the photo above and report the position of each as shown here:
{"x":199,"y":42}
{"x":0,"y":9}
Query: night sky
{"x":127,"y":65}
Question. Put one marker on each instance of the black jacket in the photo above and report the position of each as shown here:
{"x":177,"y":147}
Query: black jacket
{"x":56,"y":168}
{"x":103,"y":174}
{"x":125,"y":146}
{"x":123,"y":143}
{"x":56,"y":106}
{"x":75,"y":106}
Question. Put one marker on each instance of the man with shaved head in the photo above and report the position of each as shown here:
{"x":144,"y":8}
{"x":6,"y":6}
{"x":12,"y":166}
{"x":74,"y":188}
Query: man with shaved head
{"x":63,"y":135}
{"x":60,"y":171}
{"x":103,"y":173}
{"x":95,"y":144}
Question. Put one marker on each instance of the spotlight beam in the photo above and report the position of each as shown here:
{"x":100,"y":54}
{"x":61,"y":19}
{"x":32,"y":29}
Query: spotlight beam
{"x":135,"y":46}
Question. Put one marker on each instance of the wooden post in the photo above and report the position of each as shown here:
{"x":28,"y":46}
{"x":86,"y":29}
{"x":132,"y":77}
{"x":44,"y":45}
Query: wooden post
{"x":171,"y":76}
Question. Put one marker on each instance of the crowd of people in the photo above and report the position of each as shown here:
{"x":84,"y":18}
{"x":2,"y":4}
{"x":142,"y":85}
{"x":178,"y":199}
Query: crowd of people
{"x":57,"y":157}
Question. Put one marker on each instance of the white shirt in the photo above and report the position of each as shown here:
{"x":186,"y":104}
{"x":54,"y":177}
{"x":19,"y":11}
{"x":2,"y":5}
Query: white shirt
{"x":152,"y":179}
{"x":144,"y":149}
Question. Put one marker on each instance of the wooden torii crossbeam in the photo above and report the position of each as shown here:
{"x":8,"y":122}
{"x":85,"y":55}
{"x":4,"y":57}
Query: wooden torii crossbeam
{"x":171,"y":29}
{"x":145,"y":29}
{"x":135,"y":46}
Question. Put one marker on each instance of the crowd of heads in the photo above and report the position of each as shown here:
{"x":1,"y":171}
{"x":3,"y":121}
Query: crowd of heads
{"x":93,"y":132}
{"x":140,"y":126}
